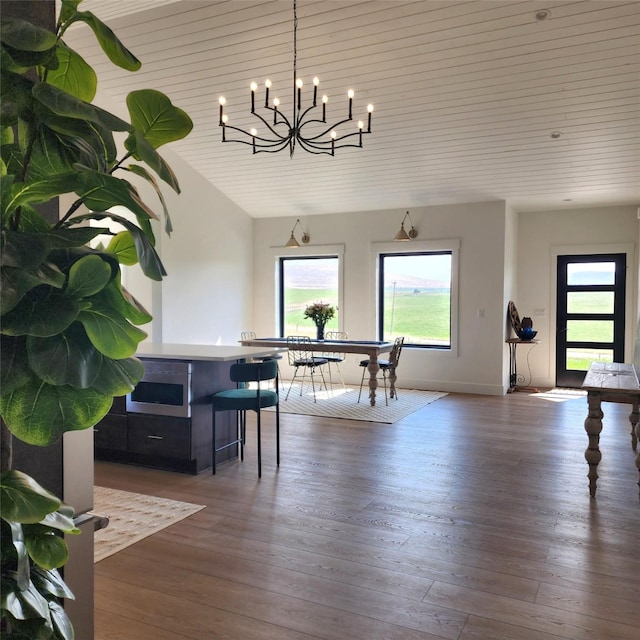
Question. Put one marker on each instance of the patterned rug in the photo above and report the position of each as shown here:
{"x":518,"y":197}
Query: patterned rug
{"x":132,"y":517}
{"x":339,"y":402}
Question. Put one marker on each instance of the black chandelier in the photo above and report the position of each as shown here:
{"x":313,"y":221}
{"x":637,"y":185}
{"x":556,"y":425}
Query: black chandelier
{"x":283,"y":133}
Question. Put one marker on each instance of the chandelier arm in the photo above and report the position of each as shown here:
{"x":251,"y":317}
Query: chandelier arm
{"x":270,"y":127}
{"x":327,"y":130}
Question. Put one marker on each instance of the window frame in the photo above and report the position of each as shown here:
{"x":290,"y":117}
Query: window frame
{"x":382,"y":249}
{"x":315,"y":252}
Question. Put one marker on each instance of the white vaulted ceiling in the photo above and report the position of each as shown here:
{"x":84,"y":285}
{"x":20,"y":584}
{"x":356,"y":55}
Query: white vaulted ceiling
{"x":466,"y":96}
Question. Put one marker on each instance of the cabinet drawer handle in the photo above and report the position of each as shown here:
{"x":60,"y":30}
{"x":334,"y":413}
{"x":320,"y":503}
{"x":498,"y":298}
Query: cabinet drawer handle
{"x":96,"y":430}
{"x":155,"y":437}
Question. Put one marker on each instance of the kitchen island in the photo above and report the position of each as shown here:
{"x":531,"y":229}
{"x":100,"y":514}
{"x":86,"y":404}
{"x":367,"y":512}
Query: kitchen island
{"x":165,"y":422}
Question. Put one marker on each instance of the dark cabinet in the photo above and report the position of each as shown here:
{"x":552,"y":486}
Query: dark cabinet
{"x":165,"y":441}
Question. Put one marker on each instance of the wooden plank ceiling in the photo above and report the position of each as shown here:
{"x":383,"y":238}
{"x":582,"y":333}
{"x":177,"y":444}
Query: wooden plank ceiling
{"x":466,"y":95}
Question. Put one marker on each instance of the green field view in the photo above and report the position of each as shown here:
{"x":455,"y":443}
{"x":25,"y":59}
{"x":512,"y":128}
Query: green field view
{"x":589,"y":330}
{"x":422,"y":318}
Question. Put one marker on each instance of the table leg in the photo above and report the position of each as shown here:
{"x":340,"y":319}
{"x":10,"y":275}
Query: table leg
{"x":373,"y":378}
{"x":634,"y":418}
{"x":593,"y":427}
{"x":638,"y":455}
{"x":392,"y":382}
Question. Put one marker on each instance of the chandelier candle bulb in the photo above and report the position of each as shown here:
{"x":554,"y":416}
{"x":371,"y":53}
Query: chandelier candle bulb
{"x":370,"y":110}
{"x":325,"y":99}
{"x":316,"y":82}
{"x":350,"y":93}
{"x":221,"y":101}
{"x":299,"y":87}
{"x":253,"y":88}
{"x":267,"y":85}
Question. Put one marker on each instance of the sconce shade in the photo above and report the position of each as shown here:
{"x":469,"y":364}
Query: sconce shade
{"x":402,"y":235}
{"x":292,"y":243}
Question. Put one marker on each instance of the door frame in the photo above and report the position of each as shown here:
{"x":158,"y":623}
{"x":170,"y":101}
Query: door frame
{"x":631,"y":293}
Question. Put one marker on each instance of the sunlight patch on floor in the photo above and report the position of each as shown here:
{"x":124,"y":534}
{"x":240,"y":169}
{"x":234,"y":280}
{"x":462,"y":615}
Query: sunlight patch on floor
{"x":559,"y":395}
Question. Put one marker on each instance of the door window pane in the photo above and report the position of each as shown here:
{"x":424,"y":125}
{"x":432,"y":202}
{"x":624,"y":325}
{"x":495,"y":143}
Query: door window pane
{"x":305,"y":281}
{"x":590,"y":302}
{"x":590,"y":273}
{"x":590,"y":330}
{"x":415,"y":298}
{"x":580,"y":359}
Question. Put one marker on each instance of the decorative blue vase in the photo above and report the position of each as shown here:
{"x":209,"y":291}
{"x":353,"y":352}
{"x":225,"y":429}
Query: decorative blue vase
{"x":319,"y":332}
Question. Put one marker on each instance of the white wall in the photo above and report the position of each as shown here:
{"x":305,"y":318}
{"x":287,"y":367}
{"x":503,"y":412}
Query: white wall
{"x":543,"y":236}
{"x":207,"y":295}
{"x":478,"y":366}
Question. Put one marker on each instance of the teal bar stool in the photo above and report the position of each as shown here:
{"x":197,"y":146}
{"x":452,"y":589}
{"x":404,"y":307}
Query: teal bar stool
{"x":245,"y":398}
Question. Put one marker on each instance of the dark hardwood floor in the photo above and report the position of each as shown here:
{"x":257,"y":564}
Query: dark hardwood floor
{"x":468,"y":520}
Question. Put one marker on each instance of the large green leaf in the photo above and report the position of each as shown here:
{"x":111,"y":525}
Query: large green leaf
{"x":142,"y":172}
{"x":42,"y":312}
{"x":147,"y":255}
{"x":14,"y":365}
{"x":100,"y":192}
{"x":115,"y":297}
{"x":23,"y":249}
{"x":137,"y":144}
{"x":66,"y":142}
{"x":23,"y":499}
{"x":61,"y":621}
{"x":109,"y":42}
{"x":64,"y":104}
{"x":24,"y":35}
{"x":47,"y":550}
{"x":73,"y":75}
{"x":118,"y":377}
{"x":87,"y":276}
{"x":111,"y":334}
{"x":39,"y":413}
{"x":40,"y":191}
{"x":50,"y":581}
{"x":123,"y":247}
{"x":61,"y":521}
{"x":15,"y":554}
{"x":68,"y":357}
{"x":157,"y":118}
{"x":29,"y":603}
{"x":16,"y":282}
{"x":67,"y":9}
{"x":22,"y":61}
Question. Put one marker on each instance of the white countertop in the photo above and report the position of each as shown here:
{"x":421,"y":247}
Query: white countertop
{"x":210,"y":352}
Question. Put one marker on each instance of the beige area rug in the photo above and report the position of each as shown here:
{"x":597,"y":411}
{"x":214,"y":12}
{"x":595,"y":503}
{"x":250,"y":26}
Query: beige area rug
{"x":132,"y":517}
{"x":339,"y":402}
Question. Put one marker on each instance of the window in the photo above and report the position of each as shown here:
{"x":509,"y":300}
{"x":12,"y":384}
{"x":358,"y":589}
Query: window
{"x":415,"y":297}
{"x":303,"y":281}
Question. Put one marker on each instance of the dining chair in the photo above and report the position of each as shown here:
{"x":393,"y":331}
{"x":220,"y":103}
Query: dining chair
{"x":334,"y":357}
{"x":243,"y":398}
{"x":301,"y":357}
{"x":387,"y":367}
{"x":250,"y":335}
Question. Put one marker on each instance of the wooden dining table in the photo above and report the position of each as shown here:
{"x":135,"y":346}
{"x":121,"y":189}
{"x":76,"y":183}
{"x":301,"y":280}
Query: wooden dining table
{"x":609,"y":382}
{"x":370,"y":348}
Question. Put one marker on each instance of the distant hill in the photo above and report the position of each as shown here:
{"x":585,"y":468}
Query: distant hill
{"x":323,"y":276}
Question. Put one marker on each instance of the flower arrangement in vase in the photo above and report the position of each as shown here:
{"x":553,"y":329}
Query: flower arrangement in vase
{"x":320,"y":313}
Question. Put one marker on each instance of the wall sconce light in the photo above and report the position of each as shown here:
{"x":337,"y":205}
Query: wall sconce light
{"x":402,"y":235}
{"x":292,"y":243}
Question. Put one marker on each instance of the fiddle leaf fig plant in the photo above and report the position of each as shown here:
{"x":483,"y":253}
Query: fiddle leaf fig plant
{"x":68,"y":329}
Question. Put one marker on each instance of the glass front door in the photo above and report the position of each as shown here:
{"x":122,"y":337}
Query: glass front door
{"x":590,"y":314}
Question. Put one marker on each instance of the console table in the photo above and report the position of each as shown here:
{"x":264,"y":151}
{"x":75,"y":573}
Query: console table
{"x":609,"y":382}
{"x":514,"y":379}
